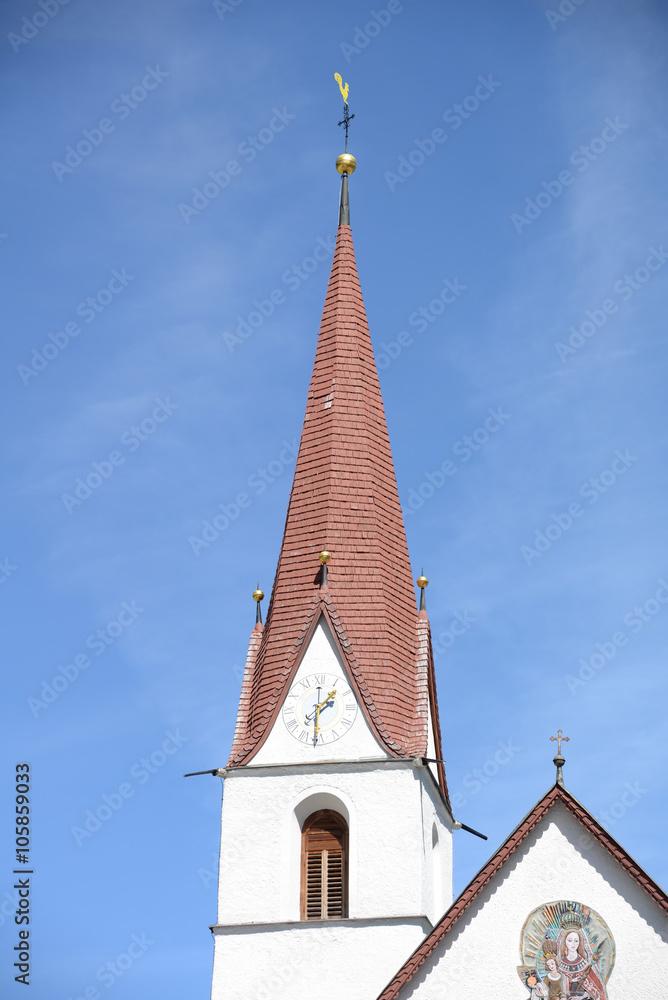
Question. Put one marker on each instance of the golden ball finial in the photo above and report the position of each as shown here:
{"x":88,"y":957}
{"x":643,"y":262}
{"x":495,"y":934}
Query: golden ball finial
{"x":325,"y":556}
{"x":346,"y":163}
{"x":258,"y":595}
{"x":422,"y":581}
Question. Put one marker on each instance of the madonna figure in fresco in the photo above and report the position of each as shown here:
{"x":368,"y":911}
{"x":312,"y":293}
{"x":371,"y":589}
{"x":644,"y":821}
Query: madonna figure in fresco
{"x":577,"y":965}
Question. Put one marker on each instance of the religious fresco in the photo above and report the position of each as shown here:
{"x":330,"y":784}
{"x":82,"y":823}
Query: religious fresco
{"x":568,"y":953}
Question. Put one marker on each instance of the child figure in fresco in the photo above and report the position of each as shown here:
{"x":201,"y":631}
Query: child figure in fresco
{"x":554,"y":986}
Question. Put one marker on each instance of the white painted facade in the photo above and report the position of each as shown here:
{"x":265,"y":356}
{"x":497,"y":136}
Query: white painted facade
{"x":558,"y":861}
{"x":400,"y":862}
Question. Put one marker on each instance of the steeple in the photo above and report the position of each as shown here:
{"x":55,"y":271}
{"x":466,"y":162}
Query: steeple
{"x":335,"y":777}
{"x":344,"y":499}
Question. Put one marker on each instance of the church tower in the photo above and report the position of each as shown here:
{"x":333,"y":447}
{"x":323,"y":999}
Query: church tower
{"x":335,"y":857}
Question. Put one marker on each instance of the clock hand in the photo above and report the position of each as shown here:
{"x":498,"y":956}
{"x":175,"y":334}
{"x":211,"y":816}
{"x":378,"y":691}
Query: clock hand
{"x":318,"y":709}
{"x":314,"y":711}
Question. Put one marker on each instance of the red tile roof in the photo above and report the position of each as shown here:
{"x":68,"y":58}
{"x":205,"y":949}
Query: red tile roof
{"x":496,"y":862}
{"x":344,"y":497}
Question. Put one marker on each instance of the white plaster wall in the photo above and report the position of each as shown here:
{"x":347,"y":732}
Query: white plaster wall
{"x":558,"y":861}
{"x":335,"y":960}
{"x":435,"y":898}
{"x":389,"y":807}
{"x":262,"y":948}
{"x":321,"y":656}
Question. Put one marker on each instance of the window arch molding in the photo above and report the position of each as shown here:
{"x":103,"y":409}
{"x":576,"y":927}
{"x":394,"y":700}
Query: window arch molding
{"x":324,"y":799}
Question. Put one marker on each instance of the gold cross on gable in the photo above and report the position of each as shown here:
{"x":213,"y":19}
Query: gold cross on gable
{"x":560,"y":738}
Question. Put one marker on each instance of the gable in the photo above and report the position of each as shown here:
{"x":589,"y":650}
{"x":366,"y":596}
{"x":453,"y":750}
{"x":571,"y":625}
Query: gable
{"x":557,"y":858}
{"x":345,"y":732}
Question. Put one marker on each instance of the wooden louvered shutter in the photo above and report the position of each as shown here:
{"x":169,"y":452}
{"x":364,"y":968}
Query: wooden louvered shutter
{"x":324,"y":866}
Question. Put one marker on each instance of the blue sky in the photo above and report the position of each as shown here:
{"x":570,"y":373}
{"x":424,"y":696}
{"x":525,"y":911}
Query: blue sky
{"x":541,"y":200}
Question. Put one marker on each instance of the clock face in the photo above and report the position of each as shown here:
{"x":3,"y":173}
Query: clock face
{"x":319,"y":709}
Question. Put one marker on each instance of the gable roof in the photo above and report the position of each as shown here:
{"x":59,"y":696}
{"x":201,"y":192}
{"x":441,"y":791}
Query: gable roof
{"x":556,"y":794}
{"x":344,"y":497}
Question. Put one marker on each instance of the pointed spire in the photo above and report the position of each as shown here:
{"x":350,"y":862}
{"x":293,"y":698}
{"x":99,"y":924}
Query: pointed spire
{"x":345,"y":493}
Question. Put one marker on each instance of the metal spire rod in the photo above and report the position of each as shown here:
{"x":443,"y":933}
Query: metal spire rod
{"x":347,"y":118}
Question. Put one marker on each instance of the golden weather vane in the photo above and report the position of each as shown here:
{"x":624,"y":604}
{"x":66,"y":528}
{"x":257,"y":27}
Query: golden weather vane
{"x":343,"y":88}
{"x":347,"y":117}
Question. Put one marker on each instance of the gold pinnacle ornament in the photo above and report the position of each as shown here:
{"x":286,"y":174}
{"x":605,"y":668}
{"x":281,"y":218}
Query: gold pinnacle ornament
{"x":257,"y":596}
{"x":422,"y":582}
{"x":324,"y":558}
{"x":346,"y":163}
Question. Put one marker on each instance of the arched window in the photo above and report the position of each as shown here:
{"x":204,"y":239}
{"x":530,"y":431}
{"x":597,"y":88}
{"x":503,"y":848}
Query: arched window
{"x":324,"y":888}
